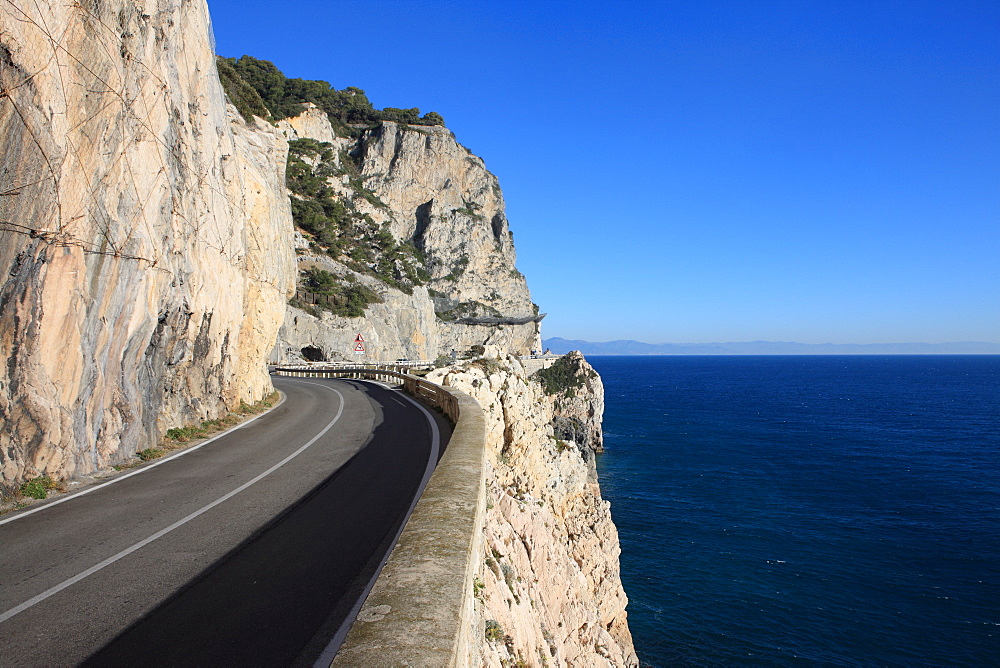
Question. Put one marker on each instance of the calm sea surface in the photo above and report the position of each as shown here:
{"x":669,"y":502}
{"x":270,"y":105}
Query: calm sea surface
{"x":807,"y":510}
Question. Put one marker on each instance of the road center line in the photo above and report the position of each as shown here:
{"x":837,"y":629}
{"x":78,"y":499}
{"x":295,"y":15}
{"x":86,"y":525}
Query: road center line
{"x":162,"y":532}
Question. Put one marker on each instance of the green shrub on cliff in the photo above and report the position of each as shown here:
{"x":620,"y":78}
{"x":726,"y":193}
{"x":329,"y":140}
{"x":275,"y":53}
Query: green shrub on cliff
{"x":470,"y":209}
{"x":335,"y":222}
{"x":240,"y":93}
{"x":286,"y":97}
{"x":348,"y":299}
{"x":150,"y":453}
{"x":319,"y":280}
{"x":358,"y":298}
{"x":493,"y":631}
{"x":38,"y":488}
{"x":563,"y":377}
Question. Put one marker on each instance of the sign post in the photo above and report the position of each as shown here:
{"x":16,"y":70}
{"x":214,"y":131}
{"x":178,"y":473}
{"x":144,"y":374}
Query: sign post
{"x":359,"y":344}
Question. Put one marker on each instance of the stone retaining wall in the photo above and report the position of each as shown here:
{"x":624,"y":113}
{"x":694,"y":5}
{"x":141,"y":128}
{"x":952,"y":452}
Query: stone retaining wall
{"x":420,"y":611}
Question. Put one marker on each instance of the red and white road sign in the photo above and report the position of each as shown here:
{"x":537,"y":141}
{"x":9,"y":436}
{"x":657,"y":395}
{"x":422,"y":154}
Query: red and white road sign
{"x":360,"y":338}
{"x":359,"y":347}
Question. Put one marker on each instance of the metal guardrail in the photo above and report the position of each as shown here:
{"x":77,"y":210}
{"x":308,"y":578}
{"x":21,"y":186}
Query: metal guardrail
{"x":317,"y":298}
{"x":431,"y":393}
{"x":363,"y":365}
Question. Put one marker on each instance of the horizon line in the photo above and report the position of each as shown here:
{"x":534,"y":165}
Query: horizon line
{"x":796,"y":343}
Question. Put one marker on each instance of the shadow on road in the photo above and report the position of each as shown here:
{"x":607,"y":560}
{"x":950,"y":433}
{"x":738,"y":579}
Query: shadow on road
{"x":281,"y":595}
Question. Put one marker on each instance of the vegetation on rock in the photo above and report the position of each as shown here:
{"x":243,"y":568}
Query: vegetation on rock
{"x":457,"y":269}
{"x":179,"y":435}
{"x":349,"y":299}
{"x":471,"y":209}
{"x":493,"y":631}
{"x":246,"y":98}
{"x":564,"y":376}
{"x":286,"y":97}
{"x":38,"y":488}
{"x":335,"y":222}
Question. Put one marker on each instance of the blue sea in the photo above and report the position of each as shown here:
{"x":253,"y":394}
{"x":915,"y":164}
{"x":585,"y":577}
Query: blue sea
{"x":807,"y":510}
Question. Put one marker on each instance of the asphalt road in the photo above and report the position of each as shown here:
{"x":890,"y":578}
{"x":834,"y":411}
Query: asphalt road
{"x":251,"y":550}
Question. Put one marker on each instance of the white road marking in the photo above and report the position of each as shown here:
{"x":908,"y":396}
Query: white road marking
{"x":150,"y":467}
{"x":159,"y":534}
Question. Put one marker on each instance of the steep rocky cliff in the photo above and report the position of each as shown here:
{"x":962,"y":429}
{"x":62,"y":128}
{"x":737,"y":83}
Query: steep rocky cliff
{"x":550,"y":592}
{"x":418,"y":185}
{"x":145,"y":233}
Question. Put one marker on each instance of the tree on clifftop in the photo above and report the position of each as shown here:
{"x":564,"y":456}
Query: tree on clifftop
{"x":286,"y":97}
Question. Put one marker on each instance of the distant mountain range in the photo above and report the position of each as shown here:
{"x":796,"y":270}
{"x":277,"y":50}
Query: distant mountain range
{"x":629,"y":347}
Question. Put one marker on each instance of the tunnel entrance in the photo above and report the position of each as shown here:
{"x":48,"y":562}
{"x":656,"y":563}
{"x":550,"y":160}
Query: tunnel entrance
{"x":313,"y":354}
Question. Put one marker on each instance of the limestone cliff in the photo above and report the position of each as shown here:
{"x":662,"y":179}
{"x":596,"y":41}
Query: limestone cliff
{"x":145,"y":233}
{"x":550,"y":592}
{"x":418,"y":184}
{"x":442,"y":196}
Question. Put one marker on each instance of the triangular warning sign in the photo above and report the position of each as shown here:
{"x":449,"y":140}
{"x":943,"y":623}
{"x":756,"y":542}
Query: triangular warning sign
{"x":360,"y":339}
{"x":359,"y":348}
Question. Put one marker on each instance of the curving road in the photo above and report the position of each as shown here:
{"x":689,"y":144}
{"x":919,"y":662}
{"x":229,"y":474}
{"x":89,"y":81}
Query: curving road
{"x":250,"y":550}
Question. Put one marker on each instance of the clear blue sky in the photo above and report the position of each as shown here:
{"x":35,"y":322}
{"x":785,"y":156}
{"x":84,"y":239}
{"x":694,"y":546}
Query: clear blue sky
{"x":703,"y":171}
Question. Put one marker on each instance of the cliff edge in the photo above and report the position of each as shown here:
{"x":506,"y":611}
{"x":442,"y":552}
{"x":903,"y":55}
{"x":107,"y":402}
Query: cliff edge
{"x":550,"y":592}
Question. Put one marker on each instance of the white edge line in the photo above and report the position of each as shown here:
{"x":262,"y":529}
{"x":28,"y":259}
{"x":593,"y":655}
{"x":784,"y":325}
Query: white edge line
{"x":162,"y":532}
{"x":88,"y":490}
{"x":326,"y":658}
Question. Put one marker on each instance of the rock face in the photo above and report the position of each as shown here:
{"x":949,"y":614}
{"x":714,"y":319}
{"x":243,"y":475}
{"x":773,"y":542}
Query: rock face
{"x":440,"y":198}
{"x":145,"y":234}
{"x":551,"y":591}
{"x":401,"y":326}
{"x":310,"y":124}
{"x":443,"y":197}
